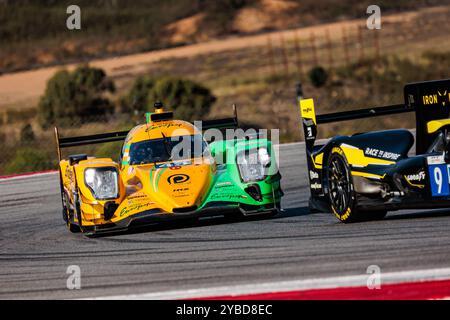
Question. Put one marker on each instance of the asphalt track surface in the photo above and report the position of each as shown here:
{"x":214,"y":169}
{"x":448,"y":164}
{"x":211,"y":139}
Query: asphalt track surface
{"x":36,"y":248}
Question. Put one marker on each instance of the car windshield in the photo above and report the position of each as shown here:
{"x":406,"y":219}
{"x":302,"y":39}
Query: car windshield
{"x":167,"y":149}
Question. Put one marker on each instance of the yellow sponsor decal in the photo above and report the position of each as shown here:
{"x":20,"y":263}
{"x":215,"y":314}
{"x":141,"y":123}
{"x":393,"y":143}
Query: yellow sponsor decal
{"x":439,"y":97}
{"x":430,"y":99}
{"x":356,"y":156}
{"x":134,"y":208}
{"x":417,"y":185}
{"x":319,"y":158}
{"x":344,"y":216}
{"x":316,"y":165}
{"x":307,"y":109}
{"x":337,"y":150}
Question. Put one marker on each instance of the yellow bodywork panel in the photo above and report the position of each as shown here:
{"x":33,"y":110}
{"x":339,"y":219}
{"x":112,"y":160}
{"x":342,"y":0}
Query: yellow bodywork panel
{"x":85,"y":192}
{"x":435,"y":125}
{"x":319,"y":158}
{"x":169,"y":187}
{"x":170,"y":128}
{"x":159,"y":186}
{"x":318,"y":161}
{"x":73,"y":179}
{"x":356,"y":157}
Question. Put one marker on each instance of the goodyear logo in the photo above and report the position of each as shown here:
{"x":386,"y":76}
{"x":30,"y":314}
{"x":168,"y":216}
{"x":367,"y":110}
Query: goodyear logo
{"x":416,"y":177}
{"x":178,"y":178}
{"x":441,"y":97}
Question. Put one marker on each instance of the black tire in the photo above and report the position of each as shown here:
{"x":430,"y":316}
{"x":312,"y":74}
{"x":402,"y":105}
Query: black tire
{"x":73,"y":227}
{"x":341,"y":193}
{"x":78,"y":212}
{"x":63,"y":199}
{"x":67,"y":217}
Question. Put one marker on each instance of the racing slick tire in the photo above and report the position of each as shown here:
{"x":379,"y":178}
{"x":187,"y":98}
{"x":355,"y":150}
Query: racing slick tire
{"x":341,"y":193}
{"x":78,"y":213}
{"x":65,"y":210}
{"x":66,"y":217}
{"x":72,"y":227}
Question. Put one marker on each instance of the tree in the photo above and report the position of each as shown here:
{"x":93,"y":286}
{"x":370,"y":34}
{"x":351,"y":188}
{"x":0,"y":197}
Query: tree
{"x":137,"y":98}
{"x":28,"y":159}
{"x":79,"y":94}
{"x":27,"y":134}
{"x":189,"y":100}
{"x":318,"y":76}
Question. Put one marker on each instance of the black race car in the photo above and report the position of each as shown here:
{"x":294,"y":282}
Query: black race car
{"x":361,"y":177}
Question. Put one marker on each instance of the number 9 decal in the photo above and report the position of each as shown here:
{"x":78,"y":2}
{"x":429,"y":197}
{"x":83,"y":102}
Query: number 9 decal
{"x":439,"y":180}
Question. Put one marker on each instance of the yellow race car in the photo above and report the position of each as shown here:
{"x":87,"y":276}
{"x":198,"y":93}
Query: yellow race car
{"x":166,"y":170}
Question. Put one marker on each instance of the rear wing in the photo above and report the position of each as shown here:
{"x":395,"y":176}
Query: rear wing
{"x":61,"y":143}
{"x":87,"y":140}
{"x":430,"y":100}
{"x":224,"y":123}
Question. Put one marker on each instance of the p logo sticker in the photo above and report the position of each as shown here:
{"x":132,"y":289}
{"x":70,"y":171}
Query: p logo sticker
{"x":178,"y":178}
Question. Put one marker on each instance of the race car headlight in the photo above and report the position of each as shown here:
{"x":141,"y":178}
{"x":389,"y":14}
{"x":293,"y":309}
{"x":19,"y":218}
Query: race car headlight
{"x":252,"y":164}
{"x":263,"y":156}
{"x":103,"y":182}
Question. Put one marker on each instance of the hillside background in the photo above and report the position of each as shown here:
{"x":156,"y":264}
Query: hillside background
{"x":33,"y":35}
{"x":249,"y":52}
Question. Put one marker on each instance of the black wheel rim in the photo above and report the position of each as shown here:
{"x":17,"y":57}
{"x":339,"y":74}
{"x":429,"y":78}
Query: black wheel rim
{"x":340,"y":188}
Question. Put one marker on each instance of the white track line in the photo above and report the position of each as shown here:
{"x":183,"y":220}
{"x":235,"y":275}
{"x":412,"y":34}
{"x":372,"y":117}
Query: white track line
{"x":28,"y":175}
{"x":286,"y":286}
